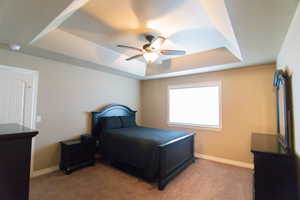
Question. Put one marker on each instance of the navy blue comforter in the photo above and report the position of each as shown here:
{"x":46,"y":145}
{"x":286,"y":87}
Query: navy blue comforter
{"x":138,"y":146}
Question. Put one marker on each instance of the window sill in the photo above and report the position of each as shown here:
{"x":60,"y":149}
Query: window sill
{"x":197,"y":127}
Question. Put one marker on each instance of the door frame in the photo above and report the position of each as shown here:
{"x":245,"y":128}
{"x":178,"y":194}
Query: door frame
{"x":35,"y":79}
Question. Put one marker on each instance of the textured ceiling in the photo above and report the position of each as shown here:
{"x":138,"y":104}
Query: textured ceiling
{"x":217,"y":34}
{"x":108,"y":23}
{"x":21,"y":21}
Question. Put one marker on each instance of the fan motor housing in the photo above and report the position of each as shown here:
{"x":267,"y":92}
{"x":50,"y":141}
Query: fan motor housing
{"x":149,"y":38}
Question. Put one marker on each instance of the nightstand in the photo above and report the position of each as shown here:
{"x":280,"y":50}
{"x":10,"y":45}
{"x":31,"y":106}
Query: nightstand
{"x":76,"y":154}
{"x":88,"y":138}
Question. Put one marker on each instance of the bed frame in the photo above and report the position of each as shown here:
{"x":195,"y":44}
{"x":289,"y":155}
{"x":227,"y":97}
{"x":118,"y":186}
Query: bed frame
{"x":169,"y":165}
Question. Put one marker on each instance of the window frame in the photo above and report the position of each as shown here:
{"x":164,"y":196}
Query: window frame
{"x":190,"y":125}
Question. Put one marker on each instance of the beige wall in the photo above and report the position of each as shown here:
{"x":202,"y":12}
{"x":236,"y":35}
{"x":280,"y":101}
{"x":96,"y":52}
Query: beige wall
{"x":66,"y":95}
{"x":248,"y":101}
{"x":289,"y":58}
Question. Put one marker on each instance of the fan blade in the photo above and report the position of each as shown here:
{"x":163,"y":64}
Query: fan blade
{"x":133,"y":57}
{"x":172,"y":52}
{"x":129,"y":47}
{"x":157,"y":43}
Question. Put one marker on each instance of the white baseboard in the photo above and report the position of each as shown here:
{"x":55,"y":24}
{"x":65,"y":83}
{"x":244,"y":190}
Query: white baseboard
{"x":43,"y":171}
{"x":225,"y":161}
{"x":198,"y":155}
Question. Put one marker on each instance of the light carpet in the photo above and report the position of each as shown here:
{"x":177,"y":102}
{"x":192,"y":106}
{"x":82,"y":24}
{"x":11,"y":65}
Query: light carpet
{"x":203,"y":180}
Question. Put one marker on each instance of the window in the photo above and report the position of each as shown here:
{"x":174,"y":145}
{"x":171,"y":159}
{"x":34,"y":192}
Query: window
{"x":195,"y":105}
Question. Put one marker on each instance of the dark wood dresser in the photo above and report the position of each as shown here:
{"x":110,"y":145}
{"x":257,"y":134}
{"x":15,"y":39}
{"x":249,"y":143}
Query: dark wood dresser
{"x":15,"y":156}
{"x":275,"y":175}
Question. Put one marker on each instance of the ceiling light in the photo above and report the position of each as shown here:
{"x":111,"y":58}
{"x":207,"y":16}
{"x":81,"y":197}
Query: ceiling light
{"x":150,"y":57}
{"x":153,"y":24}
{"x":157,"y":43}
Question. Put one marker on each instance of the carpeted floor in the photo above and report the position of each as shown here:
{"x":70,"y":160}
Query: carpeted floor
{"x":203,"y":180}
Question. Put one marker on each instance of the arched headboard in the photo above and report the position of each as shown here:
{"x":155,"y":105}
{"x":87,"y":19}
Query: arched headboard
{"x":109,"y":111}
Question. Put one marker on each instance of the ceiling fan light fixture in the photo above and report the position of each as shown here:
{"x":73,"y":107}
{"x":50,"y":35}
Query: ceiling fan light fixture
{"x":150,"y":57}
{"x":152,"y":50}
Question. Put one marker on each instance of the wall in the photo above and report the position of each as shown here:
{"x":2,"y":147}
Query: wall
{"x":248,"y":103}
{"x":66,"y":95}
{"x":289,"y":58}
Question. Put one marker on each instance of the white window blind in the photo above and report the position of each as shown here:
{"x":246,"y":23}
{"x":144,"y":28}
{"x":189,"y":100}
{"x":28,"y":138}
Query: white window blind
{"x":197,"y":105}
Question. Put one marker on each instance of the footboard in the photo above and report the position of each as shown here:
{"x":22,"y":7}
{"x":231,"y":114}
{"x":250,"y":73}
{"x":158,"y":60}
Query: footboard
{"x":175,"y":156}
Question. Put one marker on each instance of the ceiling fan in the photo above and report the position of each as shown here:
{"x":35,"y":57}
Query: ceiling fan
{"x":152,"y":50}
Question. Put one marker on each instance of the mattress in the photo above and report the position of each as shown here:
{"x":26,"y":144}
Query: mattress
{"x":138,"y":146}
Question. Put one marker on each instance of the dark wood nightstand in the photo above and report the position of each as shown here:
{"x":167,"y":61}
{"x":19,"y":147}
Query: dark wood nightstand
{"x":90,"y":138}
{"x":76,"y":154}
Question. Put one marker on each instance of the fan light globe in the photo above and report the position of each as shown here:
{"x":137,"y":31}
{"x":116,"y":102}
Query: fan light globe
{"x":150,"y":57}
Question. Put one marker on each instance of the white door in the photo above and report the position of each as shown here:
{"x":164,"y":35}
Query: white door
{"x":16,"y":97}
{"x":18,"y":92}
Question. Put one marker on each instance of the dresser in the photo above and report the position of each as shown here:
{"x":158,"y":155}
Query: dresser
{"x":15,"y":156}
{"x":275,"y":176}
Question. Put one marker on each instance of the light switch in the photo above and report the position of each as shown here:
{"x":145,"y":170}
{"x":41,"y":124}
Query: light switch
{"x":38,"y":118}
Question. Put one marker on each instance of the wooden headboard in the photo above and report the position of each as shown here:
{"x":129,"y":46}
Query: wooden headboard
{"x":109,"y":111}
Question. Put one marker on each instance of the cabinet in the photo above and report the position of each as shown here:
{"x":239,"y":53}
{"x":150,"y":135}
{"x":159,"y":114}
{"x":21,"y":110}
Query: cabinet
{"x":15,"y":157}
{"x":275,"y":174}
{"x":76,"y":154}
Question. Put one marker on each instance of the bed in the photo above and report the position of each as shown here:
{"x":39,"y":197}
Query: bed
{"x":158,"y":154}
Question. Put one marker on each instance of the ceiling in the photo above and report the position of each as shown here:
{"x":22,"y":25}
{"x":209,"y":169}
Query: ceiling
{"x":109,"y":24}
{"x":216,"y":34}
